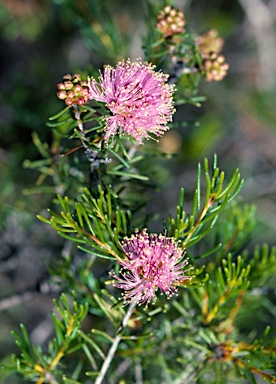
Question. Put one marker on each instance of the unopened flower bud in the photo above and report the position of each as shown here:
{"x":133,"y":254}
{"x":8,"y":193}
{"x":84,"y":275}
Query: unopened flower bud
{"x":173,"y":12}
{"x":67,"y":77}
{"x":180,"y":23}
{"x":61,"y":86}
{"x":69,"y":101}
{"x":68,"y":84}
{"x":76,"y":77}
{"x":84,"y":91}
{"x":77,"y":88}
{"x":80,"y":101}
{"x":61,"y":95}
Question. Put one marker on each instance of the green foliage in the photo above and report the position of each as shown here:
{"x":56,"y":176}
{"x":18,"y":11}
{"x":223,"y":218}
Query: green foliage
{"x":99,"y":31}
{"x":98,"y":223}
{"x":235,"y":228}
{"x":202,"y":320}
{"x":224,"y":285}
{"x":262,"y":265}
{"x":192,"y":228}
{"x":40,"y":367}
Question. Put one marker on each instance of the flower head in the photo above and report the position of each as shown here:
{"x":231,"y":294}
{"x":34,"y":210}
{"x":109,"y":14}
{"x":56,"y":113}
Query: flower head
{"x":152,"y":262}
{"x":139,"y":99}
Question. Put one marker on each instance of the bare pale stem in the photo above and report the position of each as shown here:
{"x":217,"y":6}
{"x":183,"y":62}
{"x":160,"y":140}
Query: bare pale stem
{"x":114,"y":346}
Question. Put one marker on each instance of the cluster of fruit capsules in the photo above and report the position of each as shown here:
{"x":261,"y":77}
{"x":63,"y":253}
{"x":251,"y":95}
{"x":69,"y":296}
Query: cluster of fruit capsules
{"x":73,"y":90}
{"x":170,"y":21}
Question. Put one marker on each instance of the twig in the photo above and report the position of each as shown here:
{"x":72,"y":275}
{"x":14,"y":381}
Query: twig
{"x":115,"y":344}
{"x":99,"y":242}
{"x":198,"y":221}
{"x":92,"y":155}
{"x":15,"y":300}
{"x":133,"y":150}
{"x":138,"y":372}
{"x":122,"y":368}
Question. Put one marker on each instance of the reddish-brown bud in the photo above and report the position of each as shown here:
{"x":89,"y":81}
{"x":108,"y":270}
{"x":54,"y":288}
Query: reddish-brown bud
{"x":80,"y":101}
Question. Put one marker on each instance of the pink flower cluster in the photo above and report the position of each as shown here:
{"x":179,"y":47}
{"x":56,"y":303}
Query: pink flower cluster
{"x":152,"y":262}
{"x":138,"y":97}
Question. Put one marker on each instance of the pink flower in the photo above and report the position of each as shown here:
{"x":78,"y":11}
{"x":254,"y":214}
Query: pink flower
{"x":152,"y":262}
{"x":139,"y":98}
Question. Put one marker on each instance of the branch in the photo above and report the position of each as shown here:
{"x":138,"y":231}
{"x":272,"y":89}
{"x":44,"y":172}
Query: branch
{"x":15,"y":300}
{"x":115,"y":344}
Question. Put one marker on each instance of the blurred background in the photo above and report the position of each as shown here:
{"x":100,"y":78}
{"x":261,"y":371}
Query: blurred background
{"x":41,"y":40}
